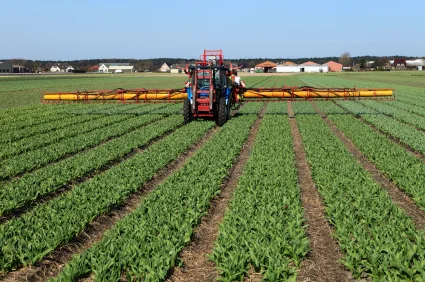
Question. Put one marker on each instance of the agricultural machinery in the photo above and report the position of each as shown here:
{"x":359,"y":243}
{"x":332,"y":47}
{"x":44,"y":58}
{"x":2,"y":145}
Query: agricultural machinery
{"x":212,"y":92}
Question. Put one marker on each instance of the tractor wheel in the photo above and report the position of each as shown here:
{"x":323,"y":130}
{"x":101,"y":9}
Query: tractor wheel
{"x":228,"y":110}
{"x":187,"y":111}
{"x":222,"y":112}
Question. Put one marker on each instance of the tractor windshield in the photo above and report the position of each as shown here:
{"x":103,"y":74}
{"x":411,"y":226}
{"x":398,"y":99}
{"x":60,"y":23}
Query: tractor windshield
{"x":203,"y":80}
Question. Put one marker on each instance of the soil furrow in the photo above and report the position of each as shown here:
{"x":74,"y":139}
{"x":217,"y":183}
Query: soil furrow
{"x":51,"y":265}
{"x":322,"y":262}
{"x":397,"y":195}
{"x":196,"y":265}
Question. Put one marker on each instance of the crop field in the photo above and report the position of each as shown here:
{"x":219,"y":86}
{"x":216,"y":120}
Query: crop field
{"x":284,"y":191}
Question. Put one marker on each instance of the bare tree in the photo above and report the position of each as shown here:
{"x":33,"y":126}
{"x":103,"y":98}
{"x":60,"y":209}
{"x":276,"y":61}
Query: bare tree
{"x":345,"y":59}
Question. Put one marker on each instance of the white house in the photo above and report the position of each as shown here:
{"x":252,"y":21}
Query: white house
{"x":55,"y":69}
{"x":103,"y":68}
{"x":164,"y":68}
{"x":69,"y":69}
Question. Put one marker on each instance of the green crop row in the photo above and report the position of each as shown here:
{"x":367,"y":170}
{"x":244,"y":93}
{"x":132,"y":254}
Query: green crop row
{"x":403,"y":168}
{"x":30,"y":237}
{"x":399,"y":114}
{"x":150,"y":239}
{"x":64,"y":129}
{"x":251,"y":108}
{"x":263,"y":225}
{"x":23,"y":139}
{"x":20,"y":191}
{"x":408,"y":107}
{"x":408,"y":135}
{"x":17,"y":115}
{"x":277,"y":108}
{"x":114,"y":126}
{"x":377,"y":237}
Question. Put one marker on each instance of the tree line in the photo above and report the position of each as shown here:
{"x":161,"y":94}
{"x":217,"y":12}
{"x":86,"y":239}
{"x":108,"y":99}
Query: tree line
{"x":154,"y":64}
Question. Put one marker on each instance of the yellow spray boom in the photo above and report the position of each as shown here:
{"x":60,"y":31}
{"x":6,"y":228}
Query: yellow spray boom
{"x":168,"y":95}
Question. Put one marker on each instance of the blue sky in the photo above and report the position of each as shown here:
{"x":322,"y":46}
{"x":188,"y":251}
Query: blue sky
{"x":68,"y":30}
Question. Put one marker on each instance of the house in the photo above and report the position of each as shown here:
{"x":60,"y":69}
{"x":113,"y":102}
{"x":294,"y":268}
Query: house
{"x":69,"y":69}
{"x":164,"y":68}
{"x":103,"y":68}
{"x":55,"y":69}
{"x":334,"y":66}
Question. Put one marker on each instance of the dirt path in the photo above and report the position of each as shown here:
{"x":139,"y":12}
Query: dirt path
{"x":196,"y":265}
{"x":51,"y":265}
{"x":322,"y":262}
{"x":397,"y":196}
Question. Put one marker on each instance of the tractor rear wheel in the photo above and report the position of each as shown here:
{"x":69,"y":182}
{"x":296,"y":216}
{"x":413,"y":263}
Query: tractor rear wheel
{"x":228,"y":110}
{"x":222,"y":112}
{"x":187,"y":111}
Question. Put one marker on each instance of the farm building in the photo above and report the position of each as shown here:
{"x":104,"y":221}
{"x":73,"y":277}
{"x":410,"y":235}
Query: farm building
{"x":306,"y":67}
{"x":266,"y":66}
{"x":119,"y":69}
{"x":177,"y":68}
{"x":114,"y":67}
{"x":5,"y":67}
{"x":334,"y":66}
{"x":164,"y":68}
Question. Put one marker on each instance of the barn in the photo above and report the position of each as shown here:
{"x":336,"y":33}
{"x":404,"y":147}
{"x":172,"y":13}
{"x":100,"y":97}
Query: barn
{"x":266,"y":66}
{"x":334,"y":66}
{"x":308,"y":67}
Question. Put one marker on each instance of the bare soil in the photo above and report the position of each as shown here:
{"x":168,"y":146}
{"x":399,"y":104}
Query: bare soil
{"x":196,"y":265}
{"x":321,"y":264}
{"x":51,"y":265}
{"x":397,"y":196}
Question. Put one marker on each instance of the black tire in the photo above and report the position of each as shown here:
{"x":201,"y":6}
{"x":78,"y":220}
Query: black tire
{"x":187,"y":111}
{"x":222,"y":112}
{"x":228,"y":110}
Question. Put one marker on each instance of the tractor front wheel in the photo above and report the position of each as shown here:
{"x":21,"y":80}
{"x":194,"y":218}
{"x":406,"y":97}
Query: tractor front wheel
{"x":222,"y":112}
{"x":187,"y":111}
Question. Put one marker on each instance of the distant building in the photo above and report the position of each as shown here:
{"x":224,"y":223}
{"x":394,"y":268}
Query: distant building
{"x":308,"y":67}
{"x":177,"y":68}
{"x":266,"y":67}
{"x":164,"y":68}
{"x":55,"y":69}
{"x":115,"y":68}
{"x":9,"y":68}
{"x":121,"y":69}
{"x":93,"y":69}
{"x":102,"y":68}
{"x":5,"y":67}
{"x":334,"y":66}
{"x":69,"y":69}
